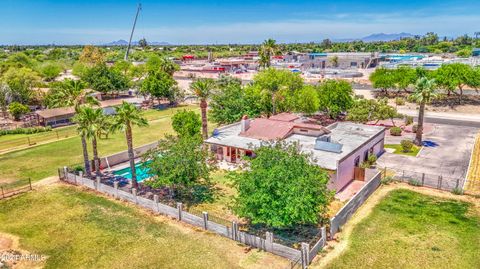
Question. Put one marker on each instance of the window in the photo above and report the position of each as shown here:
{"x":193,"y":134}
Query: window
{"x":357,"y":161}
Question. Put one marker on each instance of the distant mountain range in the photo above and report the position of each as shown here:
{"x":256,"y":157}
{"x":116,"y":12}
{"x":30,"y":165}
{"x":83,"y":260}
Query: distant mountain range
{"x":122,"y":42}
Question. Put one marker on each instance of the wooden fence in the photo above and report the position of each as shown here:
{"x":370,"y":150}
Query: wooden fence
{"x":9,"y":192}
{"x":357,"y":200}
{"x":302,"y":257}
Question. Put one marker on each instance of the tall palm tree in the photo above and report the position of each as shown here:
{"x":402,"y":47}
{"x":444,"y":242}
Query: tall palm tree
{"x":127,"y":116}
{"x":423,"y":94}
{"x":268,"y":49}
{"x":73,"y":93}
{"x":202,"y":88}
{"x":84,"y":130}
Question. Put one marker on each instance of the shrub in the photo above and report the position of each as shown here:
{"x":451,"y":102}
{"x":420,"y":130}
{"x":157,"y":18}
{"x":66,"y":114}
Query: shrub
{"x":408,"y":120}
{"x":399,"y":101}
{"x":411,"y":99}
{"x":17,"y":110}
{"x":396,"y":131}
{"x":26,"y":130}
{"x":407,"y":145}
{"x":365,"y":165}
{"x":414,"y":128}
{"x":414,"y":182}
{"x":78,"y":169}
{"x":372,"y":159}
{"x":387,"y":180}
{"x":457,"y":191}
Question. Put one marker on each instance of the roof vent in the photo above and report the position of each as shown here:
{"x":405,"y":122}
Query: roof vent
{"x":324,"y":143}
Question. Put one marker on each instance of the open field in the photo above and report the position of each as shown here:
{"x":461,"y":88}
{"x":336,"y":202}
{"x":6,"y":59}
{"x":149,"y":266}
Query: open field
{"x":42,"y":161}
{"x":78,"y":229}
{"x":408,"y":229}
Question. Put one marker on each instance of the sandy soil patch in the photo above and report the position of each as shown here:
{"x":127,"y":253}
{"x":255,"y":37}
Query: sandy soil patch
{"x":10,"y":248}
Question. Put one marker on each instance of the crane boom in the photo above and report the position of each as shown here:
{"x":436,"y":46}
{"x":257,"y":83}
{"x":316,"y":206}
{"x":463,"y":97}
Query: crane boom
{"x":133,"y":30}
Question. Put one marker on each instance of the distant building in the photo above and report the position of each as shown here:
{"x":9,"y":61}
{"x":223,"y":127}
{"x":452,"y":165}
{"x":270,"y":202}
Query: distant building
{"x":476,"y":52}
{"x":339,"y":148}
{"x":341,"y":60}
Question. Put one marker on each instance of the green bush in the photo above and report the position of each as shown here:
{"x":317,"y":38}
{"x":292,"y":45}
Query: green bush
{"x":408,"y":120}
{"x":399,"y":101}
{"x":17,"y":110}
{"x":407,"y":145}
{"x":395,"y":131}
{"x":372,"y":159}
{"x":365,"y":165}
{"x":414,"y":128}
{"x":415,"y":182}
{"x":387,"y":180}
{"x":26,"y":130}
{"x":78,"y":168}
{"x":457,"y":191}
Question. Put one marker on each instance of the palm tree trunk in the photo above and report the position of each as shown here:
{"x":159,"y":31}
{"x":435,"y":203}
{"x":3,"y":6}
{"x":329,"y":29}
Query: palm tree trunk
{"x":131,"y":155}
{"x":86,"y":161}
{"x":203,"y":107}
{"x":96,"y":160}
{"x":418,"y":135}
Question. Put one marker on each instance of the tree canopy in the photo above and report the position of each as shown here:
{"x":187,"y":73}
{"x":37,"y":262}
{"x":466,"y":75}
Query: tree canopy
{"x":186,"y":123}
{"x":281,"y":188}
{"x":335,"y":97}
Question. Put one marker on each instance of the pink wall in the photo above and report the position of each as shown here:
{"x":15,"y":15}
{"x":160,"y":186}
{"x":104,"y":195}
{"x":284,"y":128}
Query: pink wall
{"x":346,"y":166}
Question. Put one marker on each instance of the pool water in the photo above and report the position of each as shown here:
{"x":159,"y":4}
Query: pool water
{"x":141,"y":169}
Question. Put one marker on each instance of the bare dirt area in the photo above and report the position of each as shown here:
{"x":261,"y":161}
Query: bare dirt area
{"x":12,"y":256}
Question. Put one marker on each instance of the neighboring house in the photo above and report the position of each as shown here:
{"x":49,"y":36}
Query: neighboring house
{"x":56,"y":117}
{"x":476,"y":52}
{"x":338,"y":148}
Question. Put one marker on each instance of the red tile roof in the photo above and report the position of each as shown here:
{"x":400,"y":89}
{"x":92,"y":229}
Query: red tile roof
{"x":284,"y":117}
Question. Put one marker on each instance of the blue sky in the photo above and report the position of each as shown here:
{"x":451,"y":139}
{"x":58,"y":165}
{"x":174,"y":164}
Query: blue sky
{"x":193,"y":22}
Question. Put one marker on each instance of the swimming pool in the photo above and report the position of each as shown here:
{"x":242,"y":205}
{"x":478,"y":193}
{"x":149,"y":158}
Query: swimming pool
{"x":141,"y":169}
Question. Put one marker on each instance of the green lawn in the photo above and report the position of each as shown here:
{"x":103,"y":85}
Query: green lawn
{"x":42,"y":161}
{"x":78,"y":229}
{"x":398,"y":149}
{"x":412,"y":230}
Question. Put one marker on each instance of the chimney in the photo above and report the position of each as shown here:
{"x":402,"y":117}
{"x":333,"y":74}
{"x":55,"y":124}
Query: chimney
{"x":245,"y":123}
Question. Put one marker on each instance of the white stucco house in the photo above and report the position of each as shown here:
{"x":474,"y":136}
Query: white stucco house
{"x":339,"y":148}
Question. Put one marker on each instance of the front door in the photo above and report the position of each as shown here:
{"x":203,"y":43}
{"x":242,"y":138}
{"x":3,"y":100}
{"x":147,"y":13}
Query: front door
{"x":233,"y":159}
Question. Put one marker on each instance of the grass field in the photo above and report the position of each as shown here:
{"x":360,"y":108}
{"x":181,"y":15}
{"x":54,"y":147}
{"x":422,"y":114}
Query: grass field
{"x":42,"y":161}
{"x":78,"y":229}
{"x":398,"y":149}
{"x":412,"y":230}
{"x":473,"y":177}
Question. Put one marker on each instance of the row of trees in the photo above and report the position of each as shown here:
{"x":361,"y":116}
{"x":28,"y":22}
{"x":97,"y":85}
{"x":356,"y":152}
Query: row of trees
{"x":453,"y":78}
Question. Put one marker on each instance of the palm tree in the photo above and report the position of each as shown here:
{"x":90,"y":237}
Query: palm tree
{"x":127,"y":116}
{"x":84,"y":130}
{"x":423,"y":94}
{"x":202,"y":88}
{"x":72,"y":93}
{"x":268,"y":49}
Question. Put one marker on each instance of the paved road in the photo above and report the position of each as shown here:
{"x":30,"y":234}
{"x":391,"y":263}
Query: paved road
{"x":457,"y":119}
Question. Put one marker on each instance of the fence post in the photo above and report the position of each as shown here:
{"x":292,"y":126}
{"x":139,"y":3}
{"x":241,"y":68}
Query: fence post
{"x":180,"y":208}
{"x":423,"y":178}
{"x":269,"y":241}
{"x":205,"y":220}
{"x":156,"y":200}
{"x":305,"y":254}
{"x":30,"y":183}
{"x":323,"y":232}
{"x":134,"y":192}
{"x":115,"y":186}
{"x":3,"y":193}
{"x":97,"y":185}
{"x":441,"y":180}
{"x":458,"y":181}
{"x":80,"y":173}
{"x":59,"y":176}
{"x":234,"y":230}
{"x":65,"y":173}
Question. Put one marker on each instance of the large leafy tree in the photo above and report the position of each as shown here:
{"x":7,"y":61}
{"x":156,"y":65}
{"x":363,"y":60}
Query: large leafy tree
{"x":278,"y":88}
{"x":335,"y":96}
{"x":383,"y":79}
{"x":159,"y":85}
{"x":156,"y":63}
{"x":268,"y":49}
{"x":202,"y":88}
{"x":92,"y":56}
{"x":127,"y":116}
{"x":364,"y":110}
{"x":105,"y":80}
{"x":424,"y":93}
{"x":230,"y":103}
{"x":306,"y":100}
{"x":455,"y":76}
{"x":178,"y":162}
{"x":5,"y":98}
{"x":21,"y":81}
{"x":404,"y":77}
{"x":278,"y":181}
{"x":186,"y":123}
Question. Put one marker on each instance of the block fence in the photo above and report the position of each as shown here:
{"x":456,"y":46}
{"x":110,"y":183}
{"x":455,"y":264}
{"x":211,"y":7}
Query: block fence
{"x":357,"y":200}
{"x":302,"y":257}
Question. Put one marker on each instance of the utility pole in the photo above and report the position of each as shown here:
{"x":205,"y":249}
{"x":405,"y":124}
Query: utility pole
{"x":133,"y":30}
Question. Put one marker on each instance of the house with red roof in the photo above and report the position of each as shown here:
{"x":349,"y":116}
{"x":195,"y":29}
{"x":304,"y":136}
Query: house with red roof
{"x":339,"y":148}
